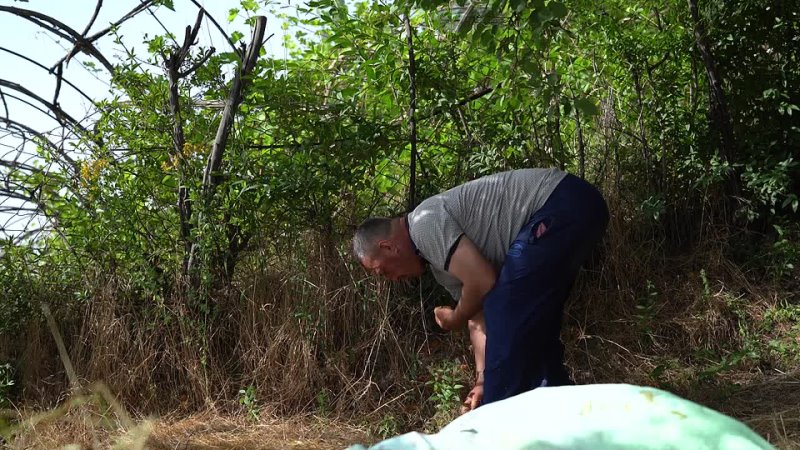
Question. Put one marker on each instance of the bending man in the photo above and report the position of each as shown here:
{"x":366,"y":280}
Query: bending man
{"x":508,"y":248}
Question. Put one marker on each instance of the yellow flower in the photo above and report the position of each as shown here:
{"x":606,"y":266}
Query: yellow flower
{"x":190,"y":149}
{"x":171,"y":163}
{"x":91,"y":170}
{"x":85,"y":171}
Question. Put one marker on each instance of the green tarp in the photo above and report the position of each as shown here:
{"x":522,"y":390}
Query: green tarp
{"x":589,"y":417}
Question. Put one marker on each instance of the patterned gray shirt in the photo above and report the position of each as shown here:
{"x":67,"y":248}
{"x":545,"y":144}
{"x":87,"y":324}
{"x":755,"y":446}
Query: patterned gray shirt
{"x":490,"y":211}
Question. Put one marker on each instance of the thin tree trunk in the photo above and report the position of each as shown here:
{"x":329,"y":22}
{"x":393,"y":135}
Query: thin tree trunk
{"x":62,"y":349}
{"x":178,"y":142}
{"x":637,"y":84}
{"x":581,"y":146}
{"x":554,"y":121}
{"x":719,"y":104}
{"x":174,"y":63}
{"x":412,"y":91}
{"x":555,"y":137}
{"x":211,"y":176}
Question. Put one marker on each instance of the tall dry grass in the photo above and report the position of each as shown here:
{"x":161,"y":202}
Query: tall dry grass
{"x":310,"y":336}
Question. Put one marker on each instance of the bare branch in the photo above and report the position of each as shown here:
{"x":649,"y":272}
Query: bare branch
{"x":477,"y":93}
{"x":5,"y":104}
{"x":22,"y":237}
{"x":199,"y":63}
{"x":216,"y":24}
{"x":191,"y":33}
{"x":42,"y":110}
{"x":19,"y":166}
{"x":412,"y":112}
{"x":16,"y":195}
{"x":173,"y":64}
{"x":94,"y":17}
{"x":77,"y":47}
{"x":36,"y":63}
{"x":132,"y":13}
{"x":59,"y":76}
{"x":12,"y":209}
{"x":60,"y":114}
{"x":59,"y":28}
{"x":22,"y":128}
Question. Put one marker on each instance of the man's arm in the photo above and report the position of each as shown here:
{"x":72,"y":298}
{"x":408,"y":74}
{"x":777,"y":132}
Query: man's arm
{"x":477,"y":276}
{"x":477,"y":335}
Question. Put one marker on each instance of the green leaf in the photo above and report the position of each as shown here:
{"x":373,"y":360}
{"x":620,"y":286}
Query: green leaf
{"x":558,"y":10}
{"x":487,"y":37}
{"x":518,"y":5}
{"x":169,"y":4}
{"x":566,"y":105}
{"x":249,"y":5}
{"x":232,"y":13}
{"x":156,"y":44}
{"x":529,"y":65}
{"x":237,"y":36}
{"x":587,"y":107}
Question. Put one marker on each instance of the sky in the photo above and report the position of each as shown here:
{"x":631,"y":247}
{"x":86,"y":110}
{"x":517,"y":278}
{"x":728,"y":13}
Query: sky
{"x":24,"y":37}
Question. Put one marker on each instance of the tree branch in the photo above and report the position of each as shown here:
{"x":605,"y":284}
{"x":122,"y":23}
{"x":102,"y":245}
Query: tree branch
{"x":94,"y":17}
{"x":216,"y":24}
{"x":59,"y":76}
{"x":60,"y":115}
{"x":199,"y":63}
{"x":173,"y":64}
{"x":22,"y":128}
{"x":5,"y":104}
{"x":16,"y":165}
{"x":36,"y":63}
{"x":412,"y":120}
{"x":60,"y":29}
{"x":210,"y":178}
{"x":132,"y":13}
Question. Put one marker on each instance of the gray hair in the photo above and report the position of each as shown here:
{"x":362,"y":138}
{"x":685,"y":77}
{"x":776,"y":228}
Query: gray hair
{"x":369,"y":233}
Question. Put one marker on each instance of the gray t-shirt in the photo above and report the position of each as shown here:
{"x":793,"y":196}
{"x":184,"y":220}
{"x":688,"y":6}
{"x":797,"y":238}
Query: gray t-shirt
{"x":490,"y":211}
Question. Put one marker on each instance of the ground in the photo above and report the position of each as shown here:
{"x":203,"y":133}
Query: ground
{"x":770,"y":406}
{"x":205,"y":431}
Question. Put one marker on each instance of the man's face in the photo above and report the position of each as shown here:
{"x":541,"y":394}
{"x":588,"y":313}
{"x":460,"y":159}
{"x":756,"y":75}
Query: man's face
{"x":394,"y":263}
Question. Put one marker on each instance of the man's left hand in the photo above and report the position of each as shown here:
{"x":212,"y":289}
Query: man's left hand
{"x":474,"y":399}
{"x":446,"y":317}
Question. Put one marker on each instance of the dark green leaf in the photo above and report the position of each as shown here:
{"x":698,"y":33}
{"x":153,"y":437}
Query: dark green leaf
{"x":587,"y":107}
{"x":558,"y":10}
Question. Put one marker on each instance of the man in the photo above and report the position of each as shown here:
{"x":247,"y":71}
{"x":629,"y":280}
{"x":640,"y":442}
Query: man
{"x":508,"y":248}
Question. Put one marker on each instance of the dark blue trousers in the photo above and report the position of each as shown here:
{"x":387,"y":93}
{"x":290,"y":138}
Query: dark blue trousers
{"x":524,"y":310}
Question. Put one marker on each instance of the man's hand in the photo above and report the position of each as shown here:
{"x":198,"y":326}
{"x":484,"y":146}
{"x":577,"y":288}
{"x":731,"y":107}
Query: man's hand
{"x":445,"y":317}
{"x":473,"y":400}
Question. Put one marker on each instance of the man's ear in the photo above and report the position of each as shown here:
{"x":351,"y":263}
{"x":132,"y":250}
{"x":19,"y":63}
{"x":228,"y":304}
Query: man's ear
{"x":385,"y":244}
